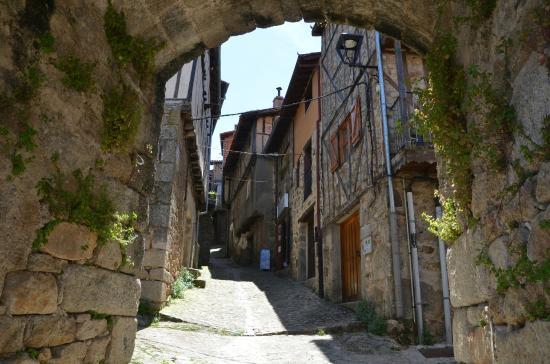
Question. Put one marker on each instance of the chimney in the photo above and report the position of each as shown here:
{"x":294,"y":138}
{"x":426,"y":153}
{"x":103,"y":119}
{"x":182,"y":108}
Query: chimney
{"x":278,"y":100}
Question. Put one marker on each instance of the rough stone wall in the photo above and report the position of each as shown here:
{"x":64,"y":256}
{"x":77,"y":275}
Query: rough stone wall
{"x":172,"y":211}
{"x":72,"y":304}
{"x":186,"y":28}
{"x":489,"y":325}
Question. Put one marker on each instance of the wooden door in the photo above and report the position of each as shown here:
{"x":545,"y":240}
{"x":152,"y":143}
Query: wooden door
{"x":351,"y":257}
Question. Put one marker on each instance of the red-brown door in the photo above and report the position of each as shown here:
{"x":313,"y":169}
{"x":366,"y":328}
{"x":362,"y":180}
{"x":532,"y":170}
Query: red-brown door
{"x":351,"y":257}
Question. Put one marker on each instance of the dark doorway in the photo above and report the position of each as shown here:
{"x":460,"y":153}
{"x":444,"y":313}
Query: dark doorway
{"x":310,"y":246}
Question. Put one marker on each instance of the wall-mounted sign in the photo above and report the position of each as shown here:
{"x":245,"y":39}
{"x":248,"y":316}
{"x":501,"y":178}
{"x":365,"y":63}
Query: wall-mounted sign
{"x":367,"y":245}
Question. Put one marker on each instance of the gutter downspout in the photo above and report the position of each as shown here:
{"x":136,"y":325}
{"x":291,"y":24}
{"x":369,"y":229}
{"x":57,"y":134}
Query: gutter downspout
{"x":319,"y":234}
{"x":415,"y":269}
{"x":409,"y":253}
{"x":444,"y":283}
{"x":396,"y":258}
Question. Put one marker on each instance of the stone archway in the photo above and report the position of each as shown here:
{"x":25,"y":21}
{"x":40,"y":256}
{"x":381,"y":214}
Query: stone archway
{"x":53,"y":124}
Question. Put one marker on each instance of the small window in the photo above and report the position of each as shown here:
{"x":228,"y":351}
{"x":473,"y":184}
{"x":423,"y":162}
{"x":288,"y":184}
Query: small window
{"x":248,"y":187}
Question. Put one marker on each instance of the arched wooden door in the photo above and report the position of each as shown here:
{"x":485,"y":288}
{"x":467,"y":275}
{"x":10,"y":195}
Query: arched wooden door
{"x":351,"y":257}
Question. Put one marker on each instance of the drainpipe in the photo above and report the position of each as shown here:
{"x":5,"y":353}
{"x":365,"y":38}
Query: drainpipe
{"x":396,"y":258}
{"x":415,"y":268}
{"x":411,"y":280}
{"x":444,"y":283}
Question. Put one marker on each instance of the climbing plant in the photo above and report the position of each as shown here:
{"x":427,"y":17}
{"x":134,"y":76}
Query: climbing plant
{"x":441,"y":113}
{"x":447,"y":227}
{"x":522,"y":273}
{"x":76,"y":199}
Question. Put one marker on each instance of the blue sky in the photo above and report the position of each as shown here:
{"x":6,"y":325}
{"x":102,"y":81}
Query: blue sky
{"x":255,"y":64}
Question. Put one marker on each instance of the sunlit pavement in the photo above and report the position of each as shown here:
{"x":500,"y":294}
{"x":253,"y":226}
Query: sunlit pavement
{"x":247,"y":316}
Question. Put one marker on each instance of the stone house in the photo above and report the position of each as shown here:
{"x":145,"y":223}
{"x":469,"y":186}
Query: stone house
{"x":377,"y":182}
{"x":248,"y":189}
{"x":294,"y":139}
{"x":215,"y":182}
{"x":193,"y":98}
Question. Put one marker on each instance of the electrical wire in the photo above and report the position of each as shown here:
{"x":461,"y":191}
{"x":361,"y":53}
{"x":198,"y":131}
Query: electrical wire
{"x":280,"y":108}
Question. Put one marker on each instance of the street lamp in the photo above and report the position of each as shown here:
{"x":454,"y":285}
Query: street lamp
{"x":349,"y":49}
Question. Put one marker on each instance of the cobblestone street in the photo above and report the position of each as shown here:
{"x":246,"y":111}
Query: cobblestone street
{"x":247,"y":316}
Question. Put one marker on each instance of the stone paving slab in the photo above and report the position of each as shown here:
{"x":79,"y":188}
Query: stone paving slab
{"x":246,"y":301}
{"x":171,"y":343}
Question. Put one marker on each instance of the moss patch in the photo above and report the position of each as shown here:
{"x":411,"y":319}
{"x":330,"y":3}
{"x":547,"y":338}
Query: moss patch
{"x":127,"y":49}
{"x":78,"y":74}
{"x":121,"y":117}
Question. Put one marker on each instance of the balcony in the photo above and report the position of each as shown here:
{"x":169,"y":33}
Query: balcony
{"x":410,"y":150}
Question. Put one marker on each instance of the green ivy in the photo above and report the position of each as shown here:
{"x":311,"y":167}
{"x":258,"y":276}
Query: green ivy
{"x":43,"y":233}
{"x":126,"y":48}
{"x":447,"y":227}
{"x":78,"y":74}
{"x":121,"y":117}
{"x":122,"y":232}
{"x":522,"y":272}
{"x":441,"y":114}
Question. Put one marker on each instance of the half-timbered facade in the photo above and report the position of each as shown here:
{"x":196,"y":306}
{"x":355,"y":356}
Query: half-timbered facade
{"x":373,"y":161}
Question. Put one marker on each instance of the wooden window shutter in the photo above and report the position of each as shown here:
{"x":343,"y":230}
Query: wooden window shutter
{"x":343,"y":140}
{"x":356,"y":122}
{"x":333,"y":152}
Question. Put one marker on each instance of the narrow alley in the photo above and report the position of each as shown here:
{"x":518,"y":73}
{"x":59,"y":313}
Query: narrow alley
{"x":249,"y":316}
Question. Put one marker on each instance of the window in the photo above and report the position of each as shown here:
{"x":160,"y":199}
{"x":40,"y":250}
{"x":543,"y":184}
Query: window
{"x":248,"y":187}
{"x":339,"y":149}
